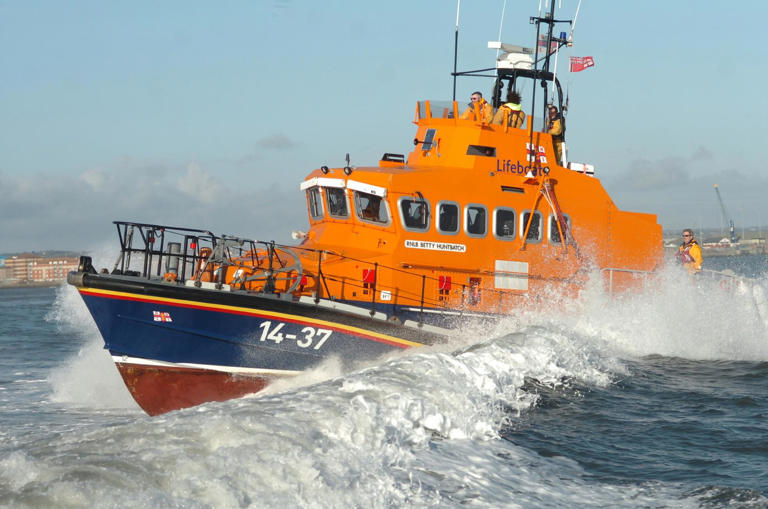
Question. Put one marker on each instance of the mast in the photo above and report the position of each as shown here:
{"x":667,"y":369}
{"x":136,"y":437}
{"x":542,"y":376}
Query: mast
{"x":550,"y":20}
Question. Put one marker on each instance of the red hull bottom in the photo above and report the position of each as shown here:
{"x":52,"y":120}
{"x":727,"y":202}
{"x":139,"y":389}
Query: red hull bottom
{"x":159,"y":389}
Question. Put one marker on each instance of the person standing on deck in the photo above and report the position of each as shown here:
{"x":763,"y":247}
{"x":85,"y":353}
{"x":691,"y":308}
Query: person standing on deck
{"x":485,"y":109}
{"x":690,"y":253}
{"x":555,"y":128}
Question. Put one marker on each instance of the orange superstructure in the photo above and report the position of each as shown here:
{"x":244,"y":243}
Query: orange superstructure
{"x":475,"y":210}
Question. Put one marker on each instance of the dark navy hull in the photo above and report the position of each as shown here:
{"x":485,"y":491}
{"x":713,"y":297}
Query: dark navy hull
{"x":178,"y":346}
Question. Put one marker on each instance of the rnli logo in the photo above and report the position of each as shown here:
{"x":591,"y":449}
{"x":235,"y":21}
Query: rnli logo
{"x":161,"y":316}
{"x":536,"y":153}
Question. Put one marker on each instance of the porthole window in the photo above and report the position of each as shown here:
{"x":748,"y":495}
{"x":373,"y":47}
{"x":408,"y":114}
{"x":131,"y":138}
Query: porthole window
{"x":371,"y":208}
{"x":476,"y":220}
{"x":315,"y":203}
{"x":448,"y":218}
{"x":414,"y":214}
{"x":534,"y":230}
{"x":336,"y":199}
{"x":504,"y":223}
{"x":554,"y":232}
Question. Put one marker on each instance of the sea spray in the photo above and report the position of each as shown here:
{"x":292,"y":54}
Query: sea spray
{"x":674,"y":314}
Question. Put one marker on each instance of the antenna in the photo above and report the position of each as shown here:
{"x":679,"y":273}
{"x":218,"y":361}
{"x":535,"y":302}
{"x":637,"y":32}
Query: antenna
{"x":456,"y":48}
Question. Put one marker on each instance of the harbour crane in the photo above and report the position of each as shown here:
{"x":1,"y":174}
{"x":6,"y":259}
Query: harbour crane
{"x":731,"y":228}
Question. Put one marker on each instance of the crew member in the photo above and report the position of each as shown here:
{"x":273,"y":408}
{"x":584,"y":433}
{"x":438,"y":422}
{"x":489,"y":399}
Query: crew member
{"x":555,"y":128}
{"x":690,"y":253}
{"x":513,"y":109}
{"x":485,"y":109}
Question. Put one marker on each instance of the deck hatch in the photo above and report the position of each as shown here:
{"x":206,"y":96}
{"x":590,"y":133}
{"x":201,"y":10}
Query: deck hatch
{"x":481,"y":150}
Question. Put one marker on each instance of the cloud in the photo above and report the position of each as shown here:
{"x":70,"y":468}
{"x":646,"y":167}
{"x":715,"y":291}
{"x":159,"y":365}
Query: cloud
{"x":52,"y":211}
{"x":276,"y":142}
{"x":645,"y":174}
{"x":199,"y":185}
{"x":702,"y":154}
{"x":680,"y":190}
{"x":94,"y":178}
{"x":665,"y":173}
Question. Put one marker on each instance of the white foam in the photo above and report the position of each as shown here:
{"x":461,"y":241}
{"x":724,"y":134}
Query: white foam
{"x":89,"y":378}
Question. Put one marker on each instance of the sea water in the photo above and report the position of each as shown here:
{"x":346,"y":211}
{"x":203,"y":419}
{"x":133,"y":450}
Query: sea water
{"x":652,"y":399}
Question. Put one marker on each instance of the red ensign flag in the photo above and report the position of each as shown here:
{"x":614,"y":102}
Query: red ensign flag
{"x":581,"y":63}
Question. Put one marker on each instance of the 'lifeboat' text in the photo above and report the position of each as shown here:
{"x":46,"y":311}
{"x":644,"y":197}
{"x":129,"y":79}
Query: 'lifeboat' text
{"x":510,"y":166}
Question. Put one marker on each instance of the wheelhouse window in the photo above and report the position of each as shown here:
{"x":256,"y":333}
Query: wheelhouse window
{"x":554,"y":232}
{"x":371,"y":208}
{"x":414,"y":214}
{"x":315,"y":203}
{"x":448,"y":218}
{"x":476,"y":220}
{"x":504,"y":223}
{"x":534,"y":230}
{"x":336,"y":200}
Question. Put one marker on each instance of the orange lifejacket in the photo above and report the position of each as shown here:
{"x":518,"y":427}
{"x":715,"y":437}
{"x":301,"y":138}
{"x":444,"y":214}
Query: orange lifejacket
{"x":684,"y":255}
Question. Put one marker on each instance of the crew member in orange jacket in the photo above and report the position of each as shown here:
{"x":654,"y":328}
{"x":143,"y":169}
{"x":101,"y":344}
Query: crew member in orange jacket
{"x":690,"y":253}
{"x":555,"y":128}
{"x":485,"y":109}
{"x":515,"y":113}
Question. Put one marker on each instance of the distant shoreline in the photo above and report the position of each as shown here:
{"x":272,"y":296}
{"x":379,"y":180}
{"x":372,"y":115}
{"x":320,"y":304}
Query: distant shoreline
{"x":31,"y":284}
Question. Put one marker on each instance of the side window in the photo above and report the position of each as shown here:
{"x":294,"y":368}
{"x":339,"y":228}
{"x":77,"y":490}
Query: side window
{"x":337,"y":202}
{"x":504,"y":224}
{"x":371,"y":208}
{"x":448,"y":218}
{"x":415,"y":214}
{"x":476,"y":220}
{"x":534,"y":231}
{"x":554,"y":233}
{"x":315,"y":203}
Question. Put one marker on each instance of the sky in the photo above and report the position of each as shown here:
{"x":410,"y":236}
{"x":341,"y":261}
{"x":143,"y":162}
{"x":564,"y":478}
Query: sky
{"x":209,"y":114}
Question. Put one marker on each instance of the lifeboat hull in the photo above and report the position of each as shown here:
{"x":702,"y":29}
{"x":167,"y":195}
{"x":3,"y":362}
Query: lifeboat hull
{"x":160,"y":388}
{"x":177,"y":346}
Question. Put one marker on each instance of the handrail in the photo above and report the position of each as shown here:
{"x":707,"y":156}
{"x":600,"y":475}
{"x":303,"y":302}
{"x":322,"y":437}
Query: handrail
{"x":152,"y":241}
{"x":611,"y":270}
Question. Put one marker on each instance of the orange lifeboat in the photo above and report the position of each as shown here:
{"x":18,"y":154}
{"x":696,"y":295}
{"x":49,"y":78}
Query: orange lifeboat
{"x":485,"y":216}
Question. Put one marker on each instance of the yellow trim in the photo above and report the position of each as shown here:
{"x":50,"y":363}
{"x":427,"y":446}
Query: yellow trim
{"x":251,"y":312}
